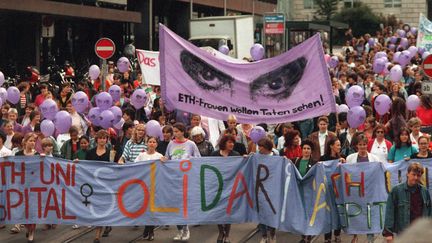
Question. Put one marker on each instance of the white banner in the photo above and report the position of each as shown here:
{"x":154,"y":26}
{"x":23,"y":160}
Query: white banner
{"x":149,"y":64}
{"x":424,"y":36}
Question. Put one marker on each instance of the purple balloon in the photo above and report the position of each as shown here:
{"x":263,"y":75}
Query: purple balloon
{"x":94,"y":72}
{"x":2,"y":79}
{"x":380,"y":54}
{"x":104,"y":101}
{"x":47,"y":128}
{"x":153,"y":128}
{"x":334,"y":61}
{"x":392,"y":47}
{"x":421,"y":50}
{"x":115,"y":92}
{"x":80,"y":101}
{"x":342,"y":108}
{"x":413,"y":102}
{"x":425,"y":54}
{"x":379,"y":65}
{"x":413,"y":30}
{"x":404,"y":42}
{"x":355,"y":96}
{"x":118,"y":114}
{"x":123,"y":64}
{"x":412,"y":50}
{"x":224,"y":49}
{"x":396,"y":73}
{"x":356,"y":116}
{"x":139,"y":98}
{"x":3,"y":94}
{"x":106,"y":119}
{"x":119,"y":124}
{"x":371,"y":42}
{"x":13,"y":95}
{"x":49,"y":109}
{"x":401,"y":33}
{"x":257,"y":52}
{"x":93,"y":115}
{"x":396,"y":56}
{"x":393,"y":39}
{"x":257,"y":133}
{"x":382,"y":104}
{"x":404,"y":58}
{"x":62,"y":121}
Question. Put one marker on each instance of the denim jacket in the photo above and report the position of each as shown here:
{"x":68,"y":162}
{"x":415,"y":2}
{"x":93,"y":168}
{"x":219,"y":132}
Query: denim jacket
{"x":398,"y":207}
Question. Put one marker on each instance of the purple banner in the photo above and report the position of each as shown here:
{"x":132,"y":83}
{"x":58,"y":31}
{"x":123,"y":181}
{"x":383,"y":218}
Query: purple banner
{"x":290,"y":87}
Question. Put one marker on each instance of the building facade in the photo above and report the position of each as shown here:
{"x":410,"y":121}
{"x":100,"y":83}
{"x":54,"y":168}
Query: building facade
{"x":34,"y":32}
{"x":407,"y":11}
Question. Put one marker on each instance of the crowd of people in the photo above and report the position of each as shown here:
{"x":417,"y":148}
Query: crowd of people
{"x":398,"y":135}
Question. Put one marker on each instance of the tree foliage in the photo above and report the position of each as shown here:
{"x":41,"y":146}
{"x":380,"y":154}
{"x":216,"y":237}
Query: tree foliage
{"x":360,"y":18}
{"x":326,"y":9}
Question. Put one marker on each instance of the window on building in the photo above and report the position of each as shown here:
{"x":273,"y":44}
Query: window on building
{"x":392,"y":3}
{"x":309,"y":4}
{"x":351,"y":3}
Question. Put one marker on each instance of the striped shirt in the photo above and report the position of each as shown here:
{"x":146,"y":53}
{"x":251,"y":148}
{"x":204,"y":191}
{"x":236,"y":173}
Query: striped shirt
{"x":131,"y":150}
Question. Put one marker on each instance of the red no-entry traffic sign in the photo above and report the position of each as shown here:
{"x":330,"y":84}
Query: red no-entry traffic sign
{"x":104,"y":48}
{"x":427,"y":66}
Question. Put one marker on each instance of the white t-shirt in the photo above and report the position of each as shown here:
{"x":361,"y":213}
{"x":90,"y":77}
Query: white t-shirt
{"x":145,"y":156}
{"x":380,"y":150}
{"x":5,"y":152}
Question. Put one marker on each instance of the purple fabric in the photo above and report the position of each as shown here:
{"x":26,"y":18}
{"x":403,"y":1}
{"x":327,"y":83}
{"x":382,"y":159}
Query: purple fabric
{"x":290,"y":87}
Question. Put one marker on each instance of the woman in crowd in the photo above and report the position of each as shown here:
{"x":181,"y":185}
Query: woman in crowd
{"x":28,"y":149}
{"x":150,"y":154}
{"x":369,"y":126}
{"x":135,"y":145}
{"x":71,"y":146}
{"x":240,"y":137}
{"x":397,"y":119}
{"x":84,"y":142}
{"x":100,"y":153}
{"x":292,"y":147}
{"x":265,"y":147}
{"x":167,"y":133}
{"x":239,"y":147}
{"x":424,"y":152}
{"x":402,"y":148}
{"x":181,"y":148}
{"x":333,"y":152}
{"x":414,"y":125}
{"x":303,"y":164}
{"x":9,"y":131}
{"x":197,"y":134}
{"x":361,"y":156}
{"x":378,"y":145}
{"x":424,"y":111}
{"x":226,"y":148}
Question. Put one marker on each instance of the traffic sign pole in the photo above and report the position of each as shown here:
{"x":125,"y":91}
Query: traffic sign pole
{"x":104,"y":49}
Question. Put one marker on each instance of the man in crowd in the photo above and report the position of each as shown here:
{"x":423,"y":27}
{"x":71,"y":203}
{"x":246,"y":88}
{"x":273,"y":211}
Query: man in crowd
{"x":406,"y":202}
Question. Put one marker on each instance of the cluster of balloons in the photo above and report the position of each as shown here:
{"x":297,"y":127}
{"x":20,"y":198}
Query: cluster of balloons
{"x":123,"y":64}
{"x":257,"y":51}
{"x":382,"y":104}
{"x":54,"y":119}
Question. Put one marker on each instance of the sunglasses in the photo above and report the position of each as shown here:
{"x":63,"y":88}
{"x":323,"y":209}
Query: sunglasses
{"x":379,"y":131}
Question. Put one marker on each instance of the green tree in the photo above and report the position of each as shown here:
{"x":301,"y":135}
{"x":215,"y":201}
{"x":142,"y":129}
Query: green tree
{"x":326,"y":9}
{"x":360,"y":18}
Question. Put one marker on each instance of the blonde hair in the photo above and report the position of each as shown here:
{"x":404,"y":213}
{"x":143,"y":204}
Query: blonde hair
{"x":46,"y":141}
{"x":134,"y":137}
{"x":232,"y":117}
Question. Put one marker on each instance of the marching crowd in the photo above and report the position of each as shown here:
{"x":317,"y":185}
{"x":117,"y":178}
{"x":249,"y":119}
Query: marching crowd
{"x":398,"y":135}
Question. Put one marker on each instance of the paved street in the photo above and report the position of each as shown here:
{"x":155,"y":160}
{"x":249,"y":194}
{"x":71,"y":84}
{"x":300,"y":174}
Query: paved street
{"x":200,"y":234}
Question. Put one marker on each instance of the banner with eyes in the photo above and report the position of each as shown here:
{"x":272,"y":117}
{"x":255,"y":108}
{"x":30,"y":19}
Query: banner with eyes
{"x":289,"y":87}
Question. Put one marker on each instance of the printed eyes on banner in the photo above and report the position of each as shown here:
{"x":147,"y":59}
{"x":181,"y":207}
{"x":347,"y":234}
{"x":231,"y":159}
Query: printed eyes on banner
{"x":280,"y":83}
{"x":206,"y":76}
